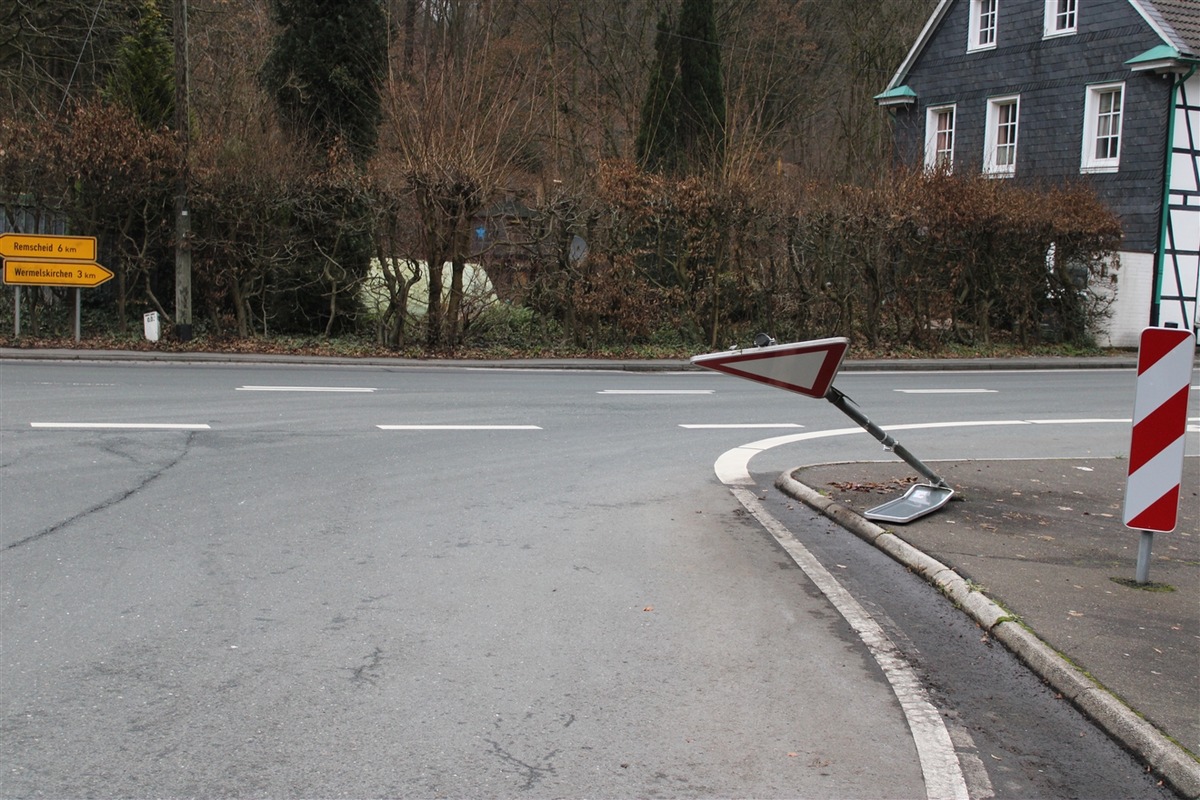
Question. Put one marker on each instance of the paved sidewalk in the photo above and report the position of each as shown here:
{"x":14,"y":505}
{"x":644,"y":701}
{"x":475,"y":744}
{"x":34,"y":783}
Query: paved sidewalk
{"x":1044,"y":540}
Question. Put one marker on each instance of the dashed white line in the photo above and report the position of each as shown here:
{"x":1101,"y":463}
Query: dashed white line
{"x":458,"y":427}
{"x":151,"y":426}
{"x":946,"y":391}
{"x":740,"y":425}
{"x":656,"y":391}
{"x":351,"y":389}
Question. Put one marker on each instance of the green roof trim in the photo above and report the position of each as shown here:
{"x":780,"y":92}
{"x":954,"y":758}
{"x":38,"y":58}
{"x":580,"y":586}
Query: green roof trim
{"x":1164,"y":52}
{"x":1163,"y":59}
{"x":901,"y":95}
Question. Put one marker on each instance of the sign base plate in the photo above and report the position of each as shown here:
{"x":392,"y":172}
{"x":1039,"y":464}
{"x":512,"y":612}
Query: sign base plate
{"x":919,"y":500}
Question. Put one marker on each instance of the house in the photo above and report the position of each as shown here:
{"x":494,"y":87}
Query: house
{"x":1100,"y":91}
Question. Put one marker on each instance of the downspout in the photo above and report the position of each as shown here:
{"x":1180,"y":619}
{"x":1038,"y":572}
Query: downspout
{"x":1160,"y":258}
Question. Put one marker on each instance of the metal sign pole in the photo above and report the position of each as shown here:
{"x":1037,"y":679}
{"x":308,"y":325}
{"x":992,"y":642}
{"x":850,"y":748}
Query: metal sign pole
{"x":77,"y":314}
{"x":17,"y":312}
{"x":1142,"y":576}
{"x":847,"y":407}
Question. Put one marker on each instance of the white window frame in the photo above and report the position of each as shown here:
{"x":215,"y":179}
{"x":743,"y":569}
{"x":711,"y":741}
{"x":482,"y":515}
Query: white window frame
{"x":1062,"y":18}
{"x":939,"y":141}
{"x":985,"y":19}
{"x":1000,"y":143}
{"x":1095,"y":113}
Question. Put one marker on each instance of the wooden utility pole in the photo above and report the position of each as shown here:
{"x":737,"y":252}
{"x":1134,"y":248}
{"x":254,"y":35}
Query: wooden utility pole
{"x":183,"y":223}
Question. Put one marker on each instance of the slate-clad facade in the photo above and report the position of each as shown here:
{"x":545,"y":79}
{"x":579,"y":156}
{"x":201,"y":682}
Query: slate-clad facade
{"x":1124,"y":70}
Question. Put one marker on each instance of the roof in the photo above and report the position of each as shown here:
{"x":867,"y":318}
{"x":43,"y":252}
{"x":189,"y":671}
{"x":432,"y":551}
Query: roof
{"x":1176,"y":22}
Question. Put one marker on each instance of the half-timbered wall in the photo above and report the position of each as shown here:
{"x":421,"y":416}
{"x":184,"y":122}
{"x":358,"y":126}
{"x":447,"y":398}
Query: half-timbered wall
{"x":1179,"y":269}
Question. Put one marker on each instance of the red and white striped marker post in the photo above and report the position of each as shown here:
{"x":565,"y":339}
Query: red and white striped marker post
{"x":1156,"y":445}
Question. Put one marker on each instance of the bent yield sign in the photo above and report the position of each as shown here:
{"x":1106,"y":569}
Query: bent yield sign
{"x":808,"y":368}
{"x":804,"y":367}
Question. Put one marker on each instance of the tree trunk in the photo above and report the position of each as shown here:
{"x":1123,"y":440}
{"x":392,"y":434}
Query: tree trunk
{"x":454,"y":309}
{"x":433,"y":309}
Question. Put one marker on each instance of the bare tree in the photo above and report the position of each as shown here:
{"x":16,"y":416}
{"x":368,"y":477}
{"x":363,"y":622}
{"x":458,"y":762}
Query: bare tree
{"x":453,"y":136}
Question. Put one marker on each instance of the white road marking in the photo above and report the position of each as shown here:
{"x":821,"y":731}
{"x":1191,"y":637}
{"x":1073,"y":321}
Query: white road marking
{"x":357,"y":389}
{"x":68,"y":383}
{"x":153,"y":426}
{"x":741,"y":425}
{"x":939,"y":761}
{"x":733,"y":465}
{"x":458,"y":427}
{"x":945,"y":391}
{"x":1127,"y":421}
{"x":656,"y":391}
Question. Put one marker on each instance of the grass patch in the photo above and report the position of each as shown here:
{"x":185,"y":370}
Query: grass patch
{"x":1149,"y":586}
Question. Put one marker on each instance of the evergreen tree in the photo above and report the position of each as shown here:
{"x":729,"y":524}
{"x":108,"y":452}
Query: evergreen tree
{"x":702,"y":112}
{"x":326,"y":68}
{"x":683,"y":116}
{"x":657,"y":140}
{"x":143,"y":78}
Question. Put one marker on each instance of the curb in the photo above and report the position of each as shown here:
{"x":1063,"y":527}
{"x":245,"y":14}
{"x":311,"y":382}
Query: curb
{"x":219,"y":357}
{"x":1174,"y":764}
{"x":17,"y":353}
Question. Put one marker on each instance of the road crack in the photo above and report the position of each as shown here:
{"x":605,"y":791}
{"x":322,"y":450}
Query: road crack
{"x":105,"y":504}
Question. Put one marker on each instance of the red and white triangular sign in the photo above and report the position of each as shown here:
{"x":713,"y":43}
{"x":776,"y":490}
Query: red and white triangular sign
{"x":805,"y":367}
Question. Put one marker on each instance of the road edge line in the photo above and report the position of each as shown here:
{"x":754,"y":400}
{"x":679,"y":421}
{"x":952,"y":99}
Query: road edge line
{"x":940,"y":764}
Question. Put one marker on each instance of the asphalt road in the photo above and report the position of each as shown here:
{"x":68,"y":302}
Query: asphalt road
{"x":353,"y":582}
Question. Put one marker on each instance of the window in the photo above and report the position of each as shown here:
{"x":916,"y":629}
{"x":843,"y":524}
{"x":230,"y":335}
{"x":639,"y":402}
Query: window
{"x":1000,"y":143}
{"x":1060,"y":17}
{"x":1102,"y":128}
{"x":983,"y":24}
{"x":939,"y":138}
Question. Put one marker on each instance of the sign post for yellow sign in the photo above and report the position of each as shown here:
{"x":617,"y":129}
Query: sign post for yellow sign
{"x":34,"y":259}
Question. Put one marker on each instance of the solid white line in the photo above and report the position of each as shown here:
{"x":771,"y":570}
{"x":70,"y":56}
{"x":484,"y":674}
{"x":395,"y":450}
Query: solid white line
{"x":303,"y":389}
{"x":458,"y":427}
{"x":1126,"y":420}
{"x":655,"y":391}
{"x":155,"y":426}
{"x":946,"y":391}
{"x":733,"y":467}
{"x":939,"y":762}
{"x":740,"y":425}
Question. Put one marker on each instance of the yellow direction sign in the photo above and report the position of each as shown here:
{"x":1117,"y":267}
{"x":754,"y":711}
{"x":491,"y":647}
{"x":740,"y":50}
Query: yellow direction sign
{"x":58,"y":248}
{"x":23,"y":272}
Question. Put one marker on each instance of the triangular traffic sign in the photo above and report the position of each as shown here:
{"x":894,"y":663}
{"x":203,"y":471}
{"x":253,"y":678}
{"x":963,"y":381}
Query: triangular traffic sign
{"x":807,"y":368}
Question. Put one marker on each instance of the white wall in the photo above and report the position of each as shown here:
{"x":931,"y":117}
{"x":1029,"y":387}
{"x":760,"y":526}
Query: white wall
{"x":1134,"y":288}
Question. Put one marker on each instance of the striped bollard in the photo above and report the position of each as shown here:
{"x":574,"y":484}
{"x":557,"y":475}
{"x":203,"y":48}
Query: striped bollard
{"x":1157,"y":441}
